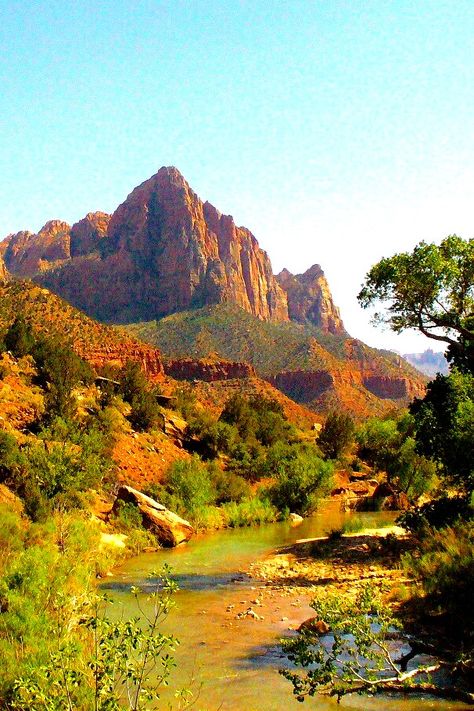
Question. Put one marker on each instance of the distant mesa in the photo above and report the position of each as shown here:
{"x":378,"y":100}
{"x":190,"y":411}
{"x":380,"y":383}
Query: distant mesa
{"x":163,"y":251}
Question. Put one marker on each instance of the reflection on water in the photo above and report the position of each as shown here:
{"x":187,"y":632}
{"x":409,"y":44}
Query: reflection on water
{"x":234,"y":662}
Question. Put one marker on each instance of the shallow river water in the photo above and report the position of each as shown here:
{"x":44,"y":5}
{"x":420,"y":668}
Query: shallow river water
{"x":232,"y":664}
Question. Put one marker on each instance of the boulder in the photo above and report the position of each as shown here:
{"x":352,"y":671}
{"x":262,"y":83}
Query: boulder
{"x":392,"y":500}
{"x":169,"y":528}
{"x":315,"y":625}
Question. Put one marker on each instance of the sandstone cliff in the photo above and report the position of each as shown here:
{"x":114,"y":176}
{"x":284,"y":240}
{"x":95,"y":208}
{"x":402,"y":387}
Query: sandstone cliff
{"x":310,"y":300}
{"x":88,"y":234}
{"x":27,"y":254}
{"x":163,"y":250}
{"x":3,"y":269}
{"x":208,"y":370}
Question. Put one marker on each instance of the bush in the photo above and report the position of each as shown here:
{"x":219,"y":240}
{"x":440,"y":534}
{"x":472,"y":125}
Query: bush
{"x":19,"y":338}
{"x":444,"y":511}
{"x":300,"y":481}
{"x":190,"y":485}
{"x":444,"y":566}
{"x":228,"y":486}
{"x":336,"y":434}
{"x":250,"y":512}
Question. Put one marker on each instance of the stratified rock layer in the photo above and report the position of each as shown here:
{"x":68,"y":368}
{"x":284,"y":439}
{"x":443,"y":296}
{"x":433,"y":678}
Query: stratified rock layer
{"x":209,"y":371}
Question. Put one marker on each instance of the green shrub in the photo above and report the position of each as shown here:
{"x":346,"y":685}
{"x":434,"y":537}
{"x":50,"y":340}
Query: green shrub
{"x":440,"y":512}
{"x":19,"y":338}
{"x":145,"y":412}
{"x":300,"y":481}
{"x":336,"y":434}
{"x":444,"y":565}
{"x":228,"y":486}
{"x":189,"y":483}
{"x":60,"y":370}
{"x":249,"y":512}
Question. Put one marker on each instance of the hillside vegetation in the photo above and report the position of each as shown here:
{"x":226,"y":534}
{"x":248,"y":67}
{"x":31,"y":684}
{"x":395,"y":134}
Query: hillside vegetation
{"x":347,"y":372}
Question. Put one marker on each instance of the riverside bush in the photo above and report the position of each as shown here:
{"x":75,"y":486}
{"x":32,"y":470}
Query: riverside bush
{"x":444,"y":565}
{"x":336,"y":434}
{"x":300,"y":481}
{"x":249,"y":512}
{"x":58,"y":647}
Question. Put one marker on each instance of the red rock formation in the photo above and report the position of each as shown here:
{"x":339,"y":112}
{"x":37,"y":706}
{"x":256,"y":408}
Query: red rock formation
{"x":209,"y":371}
{"x":148,"y":358}
{"x":393,"y":388}
{"x":186,"y":254}
{"x":3,"y":269}
{"x":88,"y":233}
{"x":310,"y":300}
{"x":27,"y":254}
{"x":164,"y":251}
{"x":347,"y":387}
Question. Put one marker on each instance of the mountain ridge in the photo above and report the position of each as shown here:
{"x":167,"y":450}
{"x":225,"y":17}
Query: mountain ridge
{"x":164,"y":250}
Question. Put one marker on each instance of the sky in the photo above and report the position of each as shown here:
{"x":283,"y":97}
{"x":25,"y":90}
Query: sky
{"x":337,"y":131}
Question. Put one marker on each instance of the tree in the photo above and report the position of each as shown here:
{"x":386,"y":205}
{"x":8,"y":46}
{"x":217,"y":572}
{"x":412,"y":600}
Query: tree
{"x":430,"y":289}
{"x":336,"y":434}
{"x":361,"y":654}
{"x":445,"y":427}
{"x":19,"y":338}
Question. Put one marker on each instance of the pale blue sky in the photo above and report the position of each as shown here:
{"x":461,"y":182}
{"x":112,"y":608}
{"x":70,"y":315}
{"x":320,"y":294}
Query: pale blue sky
{"x":338,"y":132}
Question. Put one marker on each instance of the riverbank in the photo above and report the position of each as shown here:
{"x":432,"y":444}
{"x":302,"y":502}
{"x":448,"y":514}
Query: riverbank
{"x":285,"y":581}
{"x":337,"y":563}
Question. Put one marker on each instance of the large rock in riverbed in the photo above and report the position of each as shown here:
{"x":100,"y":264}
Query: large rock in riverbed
{"x":169,"y":528}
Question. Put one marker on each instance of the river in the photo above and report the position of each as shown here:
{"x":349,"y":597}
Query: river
{"x":232,"y":664}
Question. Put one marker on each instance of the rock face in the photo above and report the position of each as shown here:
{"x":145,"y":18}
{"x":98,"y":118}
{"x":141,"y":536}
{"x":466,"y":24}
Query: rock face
{"x":26,"y":254}
{"x":302,"y":385}
{"x":149,"y":359}
{"x":209,"y":371}
{"x":168,"y":527}
{"x":391,"y":388}
{"x":310,"y":300}
{"x":88,"y":234}
{"x":162,"y":251}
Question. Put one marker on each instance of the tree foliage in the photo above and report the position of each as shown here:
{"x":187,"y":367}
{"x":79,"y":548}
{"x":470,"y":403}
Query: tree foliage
{"x":430,"y":289}
{"x":361,"y":653}
{"x":336,"y":434}
{"x":445,"y":427}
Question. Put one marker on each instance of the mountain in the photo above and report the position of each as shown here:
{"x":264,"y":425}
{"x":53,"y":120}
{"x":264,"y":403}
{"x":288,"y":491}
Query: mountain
{"x":165,"y":254}
{"x":317,"y":369}
{"x":429,"y":362}
{"x":162,"y":251}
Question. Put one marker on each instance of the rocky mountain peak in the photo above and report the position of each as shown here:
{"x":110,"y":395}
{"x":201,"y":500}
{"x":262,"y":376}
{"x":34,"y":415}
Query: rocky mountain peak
{"x":310,"y":300}
{"x":162,"y":251}
{"x":88,"y":233}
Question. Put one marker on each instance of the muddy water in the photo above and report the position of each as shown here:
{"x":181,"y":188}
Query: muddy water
{"x":231,"y":663}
